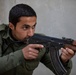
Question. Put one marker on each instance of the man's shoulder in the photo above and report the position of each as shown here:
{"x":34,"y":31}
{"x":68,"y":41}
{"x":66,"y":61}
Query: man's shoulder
{"x":3,"y":26}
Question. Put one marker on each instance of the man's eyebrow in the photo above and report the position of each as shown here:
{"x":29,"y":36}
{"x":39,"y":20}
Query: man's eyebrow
{"x":29,"y":25}
{"x":26,"y":25}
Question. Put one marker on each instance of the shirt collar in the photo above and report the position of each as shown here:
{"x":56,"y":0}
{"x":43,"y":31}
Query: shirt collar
{"x":7,"y":34}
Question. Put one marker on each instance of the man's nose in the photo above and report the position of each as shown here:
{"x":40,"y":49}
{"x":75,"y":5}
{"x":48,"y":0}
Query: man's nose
{"x":30,"y":32}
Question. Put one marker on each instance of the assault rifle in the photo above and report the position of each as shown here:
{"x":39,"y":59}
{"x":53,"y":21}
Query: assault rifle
{"x":53,"y":45}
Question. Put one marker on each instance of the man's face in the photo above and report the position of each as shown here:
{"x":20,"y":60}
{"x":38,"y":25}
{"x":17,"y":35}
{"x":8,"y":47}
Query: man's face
{"x":25,"y":28}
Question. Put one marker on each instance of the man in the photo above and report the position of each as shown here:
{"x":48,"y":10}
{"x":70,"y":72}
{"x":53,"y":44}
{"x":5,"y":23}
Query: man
{"x":16,"y":56}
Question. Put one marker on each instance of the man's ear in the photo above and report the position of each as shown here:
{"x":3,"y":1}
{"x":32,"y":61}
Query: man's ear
{"x":11,"y":26}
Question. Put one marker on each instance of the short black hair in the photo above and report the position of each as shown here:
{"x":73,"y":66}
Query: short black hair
{"x":20,"y":10}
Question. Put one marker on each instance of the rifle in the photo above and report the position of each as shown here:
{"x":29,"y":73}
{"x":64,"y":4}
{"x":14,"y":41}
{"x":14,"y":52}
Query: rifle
{"x":53,"y":45}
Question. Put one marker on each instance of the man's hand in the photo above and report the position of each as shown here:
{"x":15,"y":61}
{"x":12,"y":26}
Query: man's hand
{"x":66,"y":54}
{"x":31,"y":52}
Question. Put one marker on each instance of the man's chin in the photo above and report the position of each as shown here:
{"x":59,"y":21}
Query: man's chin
{"x":25,"y":40}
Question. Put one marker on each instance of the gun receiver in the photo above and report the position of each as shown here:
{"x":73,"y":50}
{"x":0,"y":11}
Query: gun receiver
{"x":53,"y":45}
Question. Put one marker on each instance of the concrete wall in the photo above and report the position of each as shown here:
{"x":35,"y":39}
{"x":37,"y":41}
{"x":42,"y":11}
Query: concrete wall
{"x":55,"y":18}
{"x":5,"y":6}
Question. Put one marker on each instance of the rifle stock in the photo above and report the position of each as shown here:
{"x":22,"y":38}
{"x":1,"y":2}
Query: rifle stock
{"x":54,"y":44}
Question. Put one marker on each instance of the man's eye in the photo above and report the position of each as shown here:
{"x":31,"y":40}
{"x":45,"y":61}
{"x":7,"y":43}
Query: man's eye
{"x":26,"y":27}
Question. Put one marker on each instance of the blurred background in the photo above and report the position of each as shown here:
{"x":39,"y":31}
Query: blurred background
{"x":56,"y":18}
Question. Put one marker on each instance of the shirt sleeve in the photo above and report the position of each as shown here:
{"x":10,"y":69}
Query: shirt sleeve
{"x":11,"y":61}
{"x":47,"y":62}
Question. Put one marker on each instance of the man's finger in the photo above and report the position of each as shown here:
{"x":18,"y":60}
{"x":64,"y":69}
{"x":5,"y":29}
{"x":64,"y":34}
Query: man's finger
{"x":36,"y":46}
